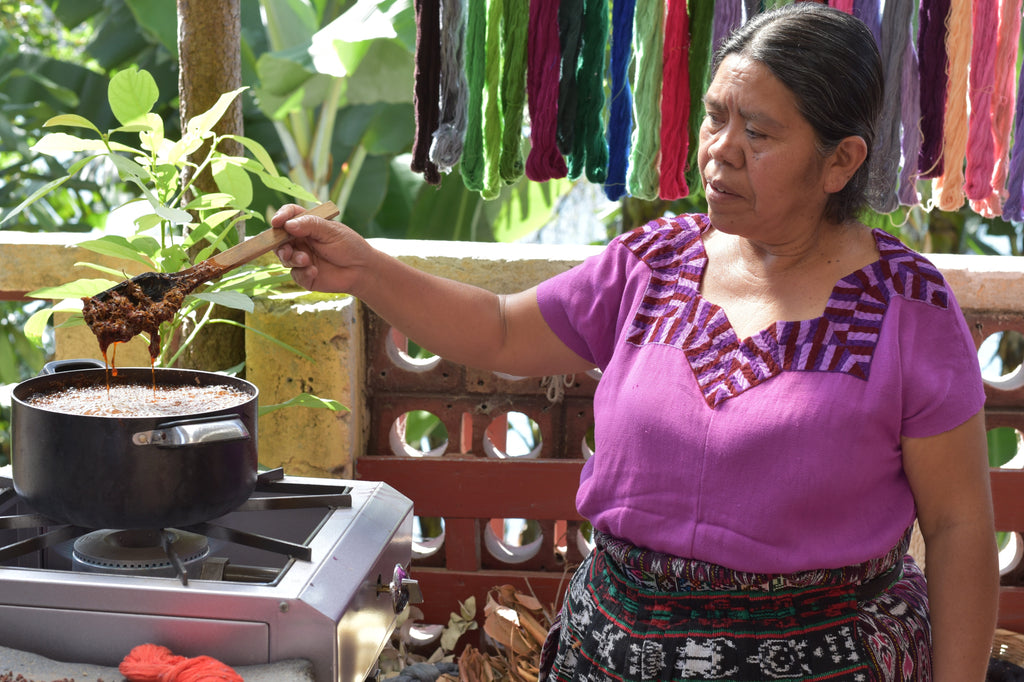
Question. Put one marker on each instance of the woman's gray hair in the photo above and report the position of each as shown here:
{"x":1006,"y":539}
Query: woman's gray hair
{"x":830,"y":61}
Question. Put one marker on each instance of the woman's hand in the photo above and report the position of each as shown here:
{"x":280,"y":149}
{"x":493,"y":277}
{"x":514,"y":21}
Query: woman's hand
{"x":324,"y":255}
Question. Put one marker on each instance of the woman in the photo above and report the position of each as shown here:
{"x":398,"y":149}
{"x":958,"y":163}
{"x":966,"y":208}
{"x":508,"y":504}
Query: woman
{"x":783,"y":391}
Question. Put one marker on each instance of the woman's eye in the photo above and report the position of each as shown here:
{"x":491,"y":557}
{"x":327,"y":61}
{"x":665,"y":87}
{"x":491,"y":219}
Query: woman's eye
{"x":754,"y":135}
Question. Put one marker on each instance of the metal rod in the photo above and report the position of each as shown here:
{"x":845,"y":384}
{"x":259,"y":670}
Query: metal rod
{"x":48,"y":539}
{"x":26,"y":521}
{"x":248,"y":539}
{"x":295,"y":502}
{"x":166,"y":540}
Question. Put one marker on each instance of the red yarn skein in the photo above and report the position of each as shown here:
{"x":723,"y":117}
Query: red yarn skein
{"x":146,"y":662}
{"x":154,"y":663}
{"x":201,"y":669}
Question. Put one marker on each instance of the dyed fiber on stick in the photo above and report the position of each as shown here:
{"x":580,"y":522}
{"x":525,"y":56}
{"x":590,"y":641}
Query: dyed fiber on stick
{"x":472,"y":165}
{"x":451,"y":128}
{"x":933,"y":60}
{"x":426,"y":86}
{"x":570,"y":35}
{"x":949,"y":187}
{"x":620,"y":108}
{"x":492,"y":105}
{"x":701,"y":18}
{"x":981,"y":159}
{"x":590,"y":149}
{"x":642,"y":177}
{"x":675,"y":102}
{"x":910,"y":107}
{"x":544,"y":161}
{"x":885,"y":157}
{"x":513,"y":88}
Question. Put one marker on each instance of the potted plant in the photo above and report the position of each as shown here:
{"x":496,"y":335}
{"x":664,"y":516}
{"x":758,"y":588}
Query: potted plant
{"x":177,"y":225}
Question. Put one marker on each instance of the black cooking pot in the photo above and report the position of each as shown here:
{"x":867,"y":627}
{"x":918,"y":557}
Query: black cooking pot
{"x":131,"y":472}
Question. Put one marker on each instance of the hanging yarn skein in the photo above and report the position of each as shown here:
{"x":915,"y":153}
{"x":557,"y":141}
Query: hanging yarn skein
{"x":620,"y":118}
{"x":981,"y":153}
{"x":451,"y":128}
{"x":472,"y":166}
{"x":675,"y":102}
{"x":544,"y":161}
{"x":910,"y":115}
{"x":492,"y":104}
{"x":1003,"y":97}
{"x":516,"y":17}
{"x":426,"y":87}
{"x":885,"y":157}
{"x":590,"y":149}
{"x":570,"y":36}
{"x":933,"y":60}
{"x":870,"y":12}
{"x":701,"y":18}
{"x":728,"y":17}
{"x":948,"y":187}
{"x":642,"y":178}
{"x":1013,"y":207}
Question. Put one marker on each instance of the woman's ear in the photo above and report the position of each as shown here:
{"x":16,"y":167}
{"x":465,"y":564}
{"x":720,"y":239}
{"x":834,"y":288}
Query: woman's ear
{"x":844,"y":161}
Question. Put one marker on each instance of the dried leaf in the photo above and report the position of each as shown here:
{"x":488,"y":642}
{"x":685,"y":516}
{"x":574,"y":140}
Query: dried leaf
{"x":529,"y":601}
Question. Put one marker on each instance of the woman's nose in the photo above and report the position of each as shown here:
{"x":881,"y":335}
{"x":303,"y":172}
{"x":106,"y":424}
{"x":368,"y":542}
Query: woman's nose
{"x":723,"y":145}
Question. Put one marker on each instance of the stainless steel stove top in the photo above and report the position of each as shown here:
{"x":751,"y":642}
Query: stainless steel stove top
{"x":315,"y":583}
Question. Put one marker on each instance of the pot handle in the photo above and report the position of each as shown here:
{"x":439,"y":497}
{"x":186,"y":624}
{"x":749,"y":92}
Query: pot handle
{"x":185,"y":434}
{"x":71,"y":365}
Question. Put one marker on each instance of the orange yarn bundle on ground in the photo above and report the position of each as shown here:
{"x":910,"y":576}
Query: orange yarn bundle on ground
{"x":154,"y":663}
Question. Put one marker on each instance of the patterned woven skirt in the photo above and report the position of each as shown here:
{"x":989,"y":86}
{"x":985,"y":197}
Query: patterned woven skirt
{"x":632,"y":614}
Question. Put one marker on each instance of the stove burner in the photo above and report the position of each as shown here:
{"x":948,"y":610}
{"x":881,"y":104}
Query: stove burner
{"x":140,"y":552}
{"x":152,"y":552}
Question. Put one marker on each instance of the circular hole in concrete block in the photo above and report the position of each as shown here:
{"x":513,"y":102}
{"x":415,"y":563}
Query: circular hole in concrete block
{"x":418,"y":433}
{"x":512,"y":435}
{"x":587,"y":446}
{"x":1000,"y":357}
{"x":407,"y":355}
{"x":427,"y":536}
{"x":513,"y":541}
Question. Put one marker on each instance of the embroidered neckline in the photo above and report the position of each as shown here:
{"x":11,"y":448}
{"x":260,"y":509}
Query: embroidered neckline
{"x":842,"y":339}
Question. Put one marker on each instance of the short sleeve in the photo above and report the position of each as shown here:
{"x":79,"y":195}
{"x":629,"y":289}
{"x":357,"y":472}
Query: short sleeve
{"x":588,"y":305}
{"x":942,"y":384}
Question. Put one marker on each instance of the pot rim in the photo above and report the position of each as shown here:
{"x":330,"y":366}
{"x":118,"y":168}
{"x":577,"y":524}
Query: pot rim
{"x":98,"y":376}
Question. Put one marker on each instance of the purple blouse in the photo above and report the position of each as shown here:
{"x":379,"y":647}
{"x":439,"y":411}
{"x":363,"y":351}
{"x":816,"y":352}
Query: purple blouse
{"x":775,"y":453}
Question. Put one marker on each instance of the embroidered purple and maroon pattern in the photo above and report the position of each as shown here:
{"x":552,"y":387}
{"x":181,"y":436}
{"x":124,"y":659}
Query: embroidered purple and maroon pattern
{"x":843,"y":339}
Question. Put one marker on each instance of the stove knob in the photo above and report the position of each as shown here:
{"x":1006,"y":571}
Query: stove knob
{"x":404,"y":590}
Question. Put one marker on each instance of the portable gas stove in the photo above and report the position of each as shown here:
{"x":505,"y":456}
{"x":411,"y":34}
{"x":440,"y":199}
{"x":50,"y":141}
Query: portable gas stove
{"x":306,"y":569}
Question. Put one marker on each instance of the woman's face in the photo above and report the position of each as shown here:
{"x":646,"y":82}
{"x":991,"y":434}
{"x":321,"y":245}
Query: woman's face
{"x":762,"y":173}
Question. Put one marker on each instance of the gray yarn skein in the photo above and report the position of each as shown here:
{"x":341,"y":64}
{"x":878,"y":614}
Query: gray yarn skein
{"x":884,"y":169}
{"x":446,"y":148}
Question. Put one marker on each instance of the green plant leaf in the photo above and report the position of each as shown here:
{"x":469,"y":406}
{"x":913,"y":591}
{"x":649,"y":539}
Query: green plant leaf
{"x":132,"y":94}
{"x":304,"y":400}
{"x":258,"y":152}
{"x":286,"y":186}
{"x":229,"y":299}
{"x":36,"y":325}
{"x":73,"y":290}
{"x":47,"y":188}
{"x":233,"y":181}
{"x":117,"y":247}
{"x":53,"y":144}
{"x":202,"y":124}
{"x":72,"y":121}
